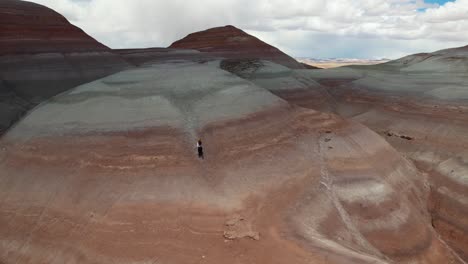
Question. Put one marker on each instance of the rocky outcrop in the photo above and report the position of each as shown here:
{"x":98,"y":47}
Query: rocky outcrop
{"x":231,"y":42}
{"x":42,"y":54}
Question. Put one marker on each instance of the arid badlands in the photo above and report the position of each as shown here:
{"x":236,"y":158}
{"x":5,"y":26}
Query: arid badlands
{"x":357,"y":164}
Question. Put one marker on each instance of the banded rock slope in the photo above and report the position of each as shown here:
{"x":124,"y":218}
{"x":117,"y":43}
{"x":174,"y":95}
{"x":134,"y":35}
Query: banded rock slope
{"x":296,"y":86}
{"x":41,"y":55}
{"x":114,"y":178}
{"x":419,"y":103}
{"x":231,"y":42}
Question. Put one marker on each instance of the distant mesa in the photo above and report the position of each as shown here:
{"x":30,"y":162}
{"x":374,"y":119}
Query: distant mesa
{"x":338,"y":62}
{"x":311,"y":67}
{"x":231,"y":42}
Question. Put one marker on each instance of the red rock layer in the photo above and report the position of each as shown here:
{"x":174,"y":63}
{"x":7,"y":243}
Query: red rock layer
{"x":31,"y":28}
{"x":232,"y":42}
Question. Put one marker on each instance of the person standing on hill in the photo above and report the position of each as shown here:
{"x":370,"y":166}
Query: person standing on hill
{"x":200,"y":149}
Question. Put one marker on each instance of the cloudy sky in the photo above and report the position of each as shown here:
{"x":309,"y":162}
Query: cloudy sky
{"x":301,"y":28}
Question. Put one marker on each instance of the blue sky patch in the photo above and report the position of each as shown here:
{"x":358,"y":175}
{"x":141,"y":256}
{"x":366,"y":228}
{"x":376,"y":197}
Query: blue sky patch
{"x":440,"y":2}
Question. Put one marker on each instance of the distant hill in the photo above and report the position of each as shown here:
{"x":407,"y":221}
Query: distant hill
{"x":231,"y":42}
{"x":446,"y":60}
{"x":41,"y":55}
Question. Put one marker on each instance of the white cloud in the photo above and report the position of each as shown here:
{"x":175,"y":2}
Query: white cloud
{"x":394,"y":27}
{"x":451,"y":11}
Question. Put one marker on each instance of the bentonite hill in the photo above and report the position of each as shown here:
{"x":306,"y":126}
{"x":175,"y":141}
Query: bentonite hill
{"x":360,"y":164}
{"x":41,"y":55}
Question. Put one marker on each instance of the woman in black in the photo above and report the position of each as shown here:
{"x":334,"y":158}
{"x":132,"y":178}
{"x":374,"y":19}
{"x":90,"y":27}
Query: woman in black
{"x":200,"y":149}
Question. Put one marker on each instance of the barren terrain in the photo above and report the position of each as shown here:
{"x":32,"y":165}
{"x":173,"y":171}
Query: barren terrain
{"x":359,"y":164}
